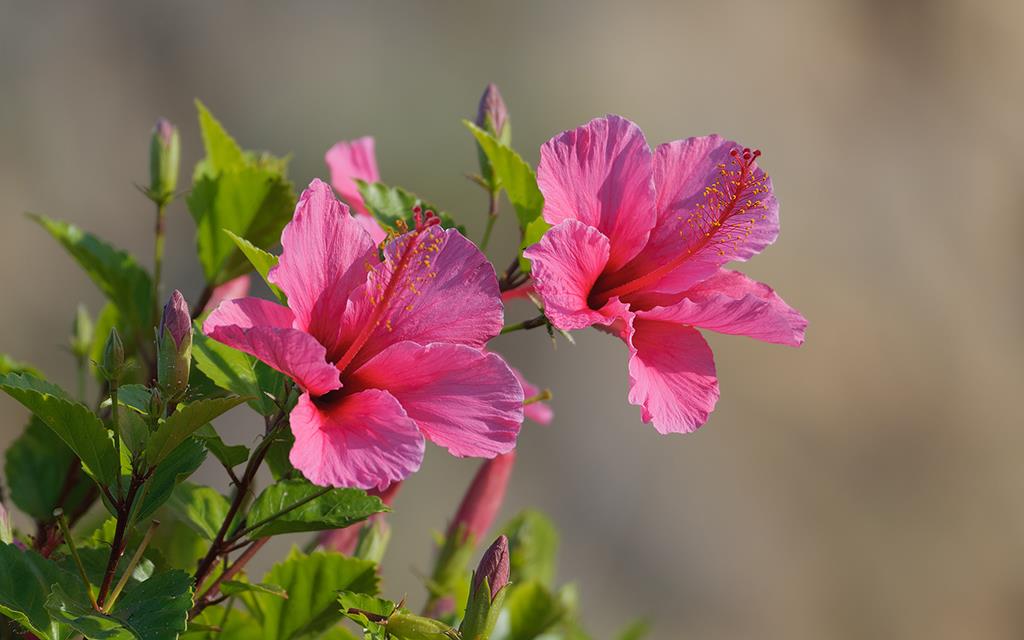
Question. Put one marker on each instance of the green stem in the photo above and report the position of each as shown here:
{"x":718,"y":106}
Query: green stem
{"x":158,"y":257}
{"x":115,"y":425}
{"x":492,"y":217}
{"x":540,"y":397}
{"x":132,"y":564}
{"x":82,"y":368}
{"x":256,"y":525}
{"x":66,"y":531}
{"x":532,"y":323}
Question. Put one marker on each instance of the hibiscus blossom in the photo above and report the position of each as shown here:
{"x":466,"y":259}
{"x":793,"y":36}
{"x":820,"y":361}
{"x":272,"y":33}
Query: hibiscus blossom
{"x":348,"y":161}
{"x":637,"y":249}
{"x":386,"y":351}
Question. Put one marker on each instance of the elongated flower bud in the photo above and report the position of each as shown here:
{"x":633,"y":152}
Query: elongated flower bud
{"x":494,"y":567}
{"x":164,"y":152}
{"x":492,"y":114}
{"x":483,"y":499}
{"x":174,"y":348}
{"x":112,"y":364}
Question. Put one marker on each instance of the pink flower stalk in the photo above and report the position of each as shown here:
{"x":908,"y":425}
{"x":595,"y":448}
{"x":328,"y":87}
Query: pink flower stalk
{"x":345,"y":540}
{"x":483,"y":499}
{"x":236,"y":288}
{"x":637,"y":249}
{"x":348,"y":161}
{"x":387,"y":352}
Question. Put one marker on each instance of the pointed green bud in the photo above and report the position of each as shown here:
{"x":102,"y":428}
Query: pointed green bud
{"x":112,"y":364}
{"x":174,"y":348}
{"x":81,"y":333}
{"x":164,"y":154}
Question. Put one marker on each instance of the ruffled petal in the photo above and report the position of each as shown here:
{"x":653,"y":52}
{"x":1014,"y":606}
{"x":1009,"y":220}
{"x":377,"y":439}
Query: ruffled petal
{"x":230,"y":290}
{"x":671,"y":373}
{"x":326,"y":254}
{"x":730,"y":302}
{"x":462,"y":399}
{"x":363,"y":440}
{"x":600,"y":174}
{"x":264,"y":329}
{"x":433,"y":286}
{"x":565,"y":264}
{"x":348,"y":161}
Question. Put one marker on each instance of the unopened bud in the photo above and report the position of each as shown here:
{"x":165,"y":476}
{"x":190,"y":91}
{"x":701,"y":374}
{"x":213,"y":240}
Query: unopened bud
{"x":483,"y":499}
{"x":174,"y":348}
{"x":81,"y":333}
{"x":112,"y":364}
{"x":493,"y":567}
{"x":492,"y":114}
{"x":164,"y":152}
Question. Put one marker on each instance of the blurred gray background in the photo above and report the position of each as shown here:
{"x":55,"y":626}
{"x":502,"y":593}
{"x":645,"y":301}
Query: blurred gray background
{"x":868,"y":484}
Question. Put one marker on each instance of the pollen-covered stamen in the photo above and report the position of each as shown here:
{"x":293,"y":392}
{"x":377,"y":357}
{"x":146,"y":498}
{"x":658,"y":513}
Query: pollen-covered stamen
{"x":723,"y":218}
{"x":408,"y":269}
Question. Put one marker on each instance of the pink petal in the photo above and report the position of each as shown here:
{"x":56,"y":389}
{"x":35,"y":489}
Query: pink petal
{"x":236,"y":288}
{"x":433,"y":286}
{"x":462,"y":399}
{"x":325,"y":256}
{"x":730,"y":302}
{"x":671,"y":373}
{"x":565,"y":265}
{"x":600,"y":174}
{"x":363,"y":440}
{"x":349,"y":161}
{"x":539,"y":412}
{"x":683,"y":169}
{"x":264,"y":329}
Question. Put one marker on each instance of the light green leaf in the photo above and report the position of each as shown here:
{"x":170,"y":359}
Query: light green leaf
{"x":222,"y":152}
{"x":534,"y":231}
{"x":183,"y":423}
{"x":10,"y":365}
{"x":532,"y":610}
{"x":201,"y":508}
{"x":36,"y":467}
{"x":514,"y":174}
{"x":262,"y":261}
{"x":116,"y":273}
{"x":229,"y":455}
{"x":179,"y":465}
{"x":25,"y":583}
{"x":230,"y":369}
{"x":234,"y":587}
{"x":234,"y":624}
{"x":533,"y":546}
{"x":391,"y":204}
{"x":335,"y":509}
{"x":312,"y":582}
{"x":72,"y":421}
{"x":133,"y":396}
{"x":637,"y":630}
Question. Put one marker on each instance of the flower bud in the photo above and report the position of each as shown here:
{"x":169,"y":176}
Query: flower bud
{"x":164,"y":151}
{"x":492,"y":114}
{"x":81,"y":333}
{"x":112,"y":364}
{"x":483,"y":499}
{"x":6,"y":531}
{"x":493,"y":567}
{"x":174,"y":348}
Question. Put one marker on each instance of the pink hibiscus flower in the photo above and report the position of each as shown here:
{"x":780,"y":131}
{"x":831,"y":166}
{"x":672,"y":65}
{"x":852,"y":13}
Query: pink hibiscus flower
{"x":348,"y":161}
{"x":387,"y":352}
{"x":637,"y":249}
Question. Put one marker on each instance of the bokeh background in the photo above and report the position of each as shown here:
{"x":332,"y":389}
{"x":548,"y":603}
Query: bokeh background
{"x":868,"y":484}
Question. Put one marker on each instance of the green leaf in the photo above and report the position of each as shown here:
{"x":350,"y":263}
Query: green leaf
{"x":277,"y":460}
{"x":534,"y":231}
{"x":515,"y":175}
{"x":262,"y":261}
{"x":237,"y":191}
{"x":312,"y":582}
{"x":10,"y":365}
{"x":229,"y":455}
{"x":116,"y":273}
{"x":36,"y":467}
{"x":233,"y":624}
{"x":72,"y":421}
{"x":533,"y":547}
{"x":201,"y":508}
{"x":391,"y":204}
{"x":335,"y":509}
{"x":234,"y":587}
{"x":230,"y":369}
{"x":179,"y":465}
{"x":183,"y":423}
{"x":133,"y":396}
{"x":25,"y":583}
{"x":532,"y":610}
{"x":637,"y":630}
{"x":156,"y":609}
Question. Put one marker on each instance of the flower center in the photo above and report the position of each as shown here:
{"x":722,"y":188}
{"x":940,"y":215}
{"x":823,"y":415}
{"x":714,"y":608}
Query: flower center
{"x":717,"y":221}
{"x":410,"y":247}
